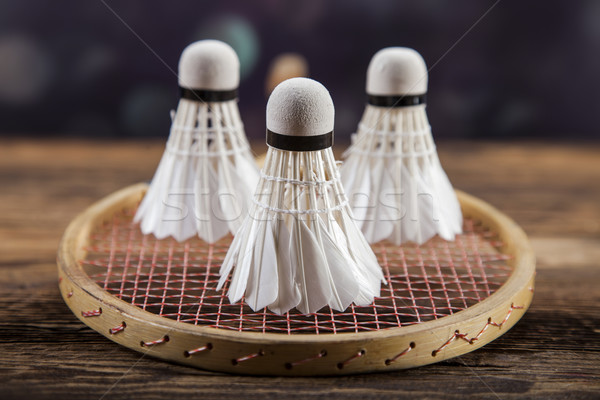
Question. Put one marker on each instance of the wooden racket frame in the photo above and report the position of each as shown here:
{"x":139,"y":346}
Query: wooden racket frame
{"x":297,"y":354}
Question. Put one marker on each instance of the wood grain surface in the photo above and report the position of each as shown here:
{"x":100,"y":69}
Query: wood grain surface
{"x":551,"y":190}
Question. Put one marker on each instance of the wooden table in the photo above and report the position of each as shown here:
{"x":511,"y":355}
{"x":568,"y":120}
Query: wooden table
{"x":552,"y":190}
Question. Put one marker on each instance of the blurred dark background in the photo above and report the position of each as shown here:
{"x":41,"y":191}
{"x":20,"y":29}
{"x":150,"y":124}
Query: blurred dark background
{"x":78,"y":68}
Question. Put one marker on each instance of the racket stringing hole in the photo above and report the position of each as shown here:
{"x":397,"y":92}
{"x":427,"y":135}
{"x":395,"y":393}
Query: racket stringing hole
{"x":162,"y":340}
{"x":237,"y":361}
{"x":92,"y":313}
{"x":118,"y":328}
{"x":206,"y":347}
{"x":390,"y":361}
{"x":290,"y":365}
{"x":359,"y":354}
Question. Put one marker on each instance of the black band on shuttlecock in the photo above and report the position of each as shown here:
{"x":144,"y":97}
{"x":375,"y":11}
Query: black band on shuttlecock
{"x":299,"y":143}
{"x":396,"y":101}
{"x":208,"y":95}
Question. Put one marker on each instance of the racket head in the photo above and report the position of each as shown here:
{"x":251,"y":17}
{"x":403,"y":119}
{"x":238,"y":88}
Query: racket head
{"x":296,"y":350}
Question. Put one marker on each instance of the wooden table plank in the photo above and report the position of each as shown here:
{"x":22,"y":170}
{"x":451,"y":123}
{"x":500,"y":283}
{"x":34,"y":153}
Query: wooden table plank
{"x":552,"y":190}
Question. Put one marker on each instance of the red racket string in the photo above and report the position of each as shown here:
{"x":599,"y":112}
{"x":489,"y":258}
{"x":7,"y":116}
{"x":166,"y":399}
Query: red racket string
{"x":178,"y":280}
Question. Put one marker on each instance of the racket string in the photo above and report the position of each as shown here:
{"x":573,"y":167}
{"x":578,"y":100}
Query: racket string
{"x":178,"y":281}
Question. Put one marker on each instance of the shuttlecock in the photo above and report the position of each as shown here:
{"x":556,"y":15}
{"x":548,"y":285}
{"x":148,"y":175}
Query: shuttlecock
{"x":392,"y":173}
{"x":207,"y":174}
{"x":299,"y":245}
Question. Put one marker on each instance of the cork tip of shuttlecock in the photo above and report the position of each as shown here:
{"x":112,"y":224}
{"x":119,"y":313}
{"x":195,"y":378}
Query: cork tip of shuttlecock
{"x":300,"y":107}
{"x":397,"y":71}
{"x":209,"y":65}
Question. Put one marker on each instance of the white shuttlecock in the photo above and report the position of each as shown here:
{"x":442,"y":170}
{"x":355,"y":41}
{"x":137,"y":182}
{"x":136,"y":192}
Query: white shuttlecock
{"x":392,"y":173}
{"x":299,"y":246}
{"x":207,"y":174}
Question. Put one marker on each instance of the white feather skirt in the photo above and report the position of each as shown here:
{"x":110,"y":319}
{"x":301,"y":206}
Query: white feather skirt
{"x":299,"y":246}
{"x":206,"y":177}
{"x":394,"y":180}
